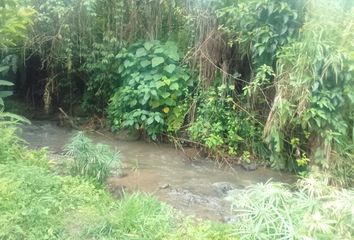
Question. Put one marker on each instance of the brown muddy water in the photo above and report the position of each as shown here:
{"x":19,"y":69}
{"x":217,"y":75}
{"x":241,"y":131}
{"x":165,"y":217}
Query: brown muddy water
{"x":196,"y":187}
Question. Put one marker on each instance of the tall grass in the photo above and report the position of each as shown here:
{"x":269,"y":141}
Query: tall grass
{"x":314,"y":211}
{"x":94,"y":161}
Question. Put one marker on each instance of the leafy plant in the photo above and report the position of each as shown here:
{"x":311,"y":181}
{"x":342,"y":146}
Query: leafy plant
{"x":221,"y":128}
{"x":90,"y":160}
{"x":14,"y":19}
{"x":101,"y":68}
{"x":153,"y":85}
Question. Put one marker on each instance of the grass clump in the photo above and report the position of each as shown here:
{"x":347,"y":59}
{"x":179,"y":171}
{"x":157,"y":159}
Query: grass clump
{"x":93,"y":161}
{"x":315,"y":211}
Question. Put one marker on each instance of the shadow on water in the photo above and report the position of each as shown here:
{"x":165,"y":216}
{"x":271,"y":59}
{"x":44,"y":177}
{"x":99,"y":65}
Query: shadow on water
{"x":195,"y":187}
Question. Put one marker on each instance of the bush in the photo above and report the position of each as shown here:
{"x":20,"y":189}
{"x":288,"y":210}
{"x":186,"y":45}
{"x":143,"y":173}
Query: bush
{"x":223,"y":129}
{"x":154,"y":84}
{"x":315,"y":211}
{"x":90,"y":160}
{"x":101,"y":68}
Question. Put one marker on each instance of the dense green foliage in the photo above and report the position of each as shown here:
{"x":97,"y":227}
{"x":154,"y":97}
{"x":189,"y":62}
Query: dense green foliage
{"x":260,"y":28}
{"x":222,"y":127}
{"x":101,"y":67}
{"x":158,"y":67}
{"x":314,"y":97}
{"x":14,"y":20}
{"x":265,"y":80}
{"x":91,"y":161}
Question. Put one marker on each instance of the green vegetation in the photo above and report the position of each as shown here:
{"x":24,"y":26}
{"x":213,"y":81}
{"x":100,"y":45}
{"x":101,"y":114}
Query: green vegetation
{"x":268,"y":77}
{"x":37,"y":204}
{"x":315,"y":211}
{"x":90,"y":160}
{"x":262,"y":80}
{"x":221,"y":128}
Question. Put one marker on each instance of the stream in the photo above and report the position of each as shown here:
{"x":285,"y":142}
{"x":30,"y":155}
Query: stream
{"x":195,"y":186}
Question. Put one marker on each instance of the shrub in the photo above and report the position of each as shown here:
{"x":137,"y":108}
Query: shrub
{"x":153,"y":85}
{"x":222,"y":128}
{"x":259,"y":28}
{"x":90,"y":160}
{"x":101,"y":68}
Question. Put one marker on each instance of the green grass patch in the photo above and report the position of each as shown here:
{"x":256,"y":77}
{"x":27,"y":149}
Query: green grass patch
{"x":38,"y":204}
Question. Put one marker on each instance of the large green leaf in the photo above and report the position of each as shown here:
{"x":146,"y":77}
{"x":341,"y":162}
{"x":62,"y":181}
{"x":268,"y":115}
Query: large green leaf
{"x":5,"y":83}
{"x":157,"y":61}
{"x":174,"y":86}
{"x":172,"y":51}
{"x":4,"y":94}
{"x":148,"y":45}
{"x":128,"y":63}
{"x":145,"y":63}
{"x":15,"y":117}
{"x":141,"y":52}
{"x":4,"y":68}
{"x":170,"y":68}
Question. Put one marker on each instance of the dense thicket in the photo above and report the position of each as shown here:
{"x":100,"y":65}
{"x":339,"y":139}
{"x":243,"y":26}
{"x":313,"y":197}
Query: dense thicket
{"x":268,"y":80}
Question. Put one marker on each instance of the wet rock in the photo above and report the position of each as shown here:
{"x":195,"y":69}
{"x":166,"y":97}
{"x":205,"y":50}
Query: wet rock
{"x":189,"y":198}
{"x":249,"y":167}
{"x":222,"y":188}
{"x":128,"y":135}
{"x":230,"y":197}
{"x":164,"y":186}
